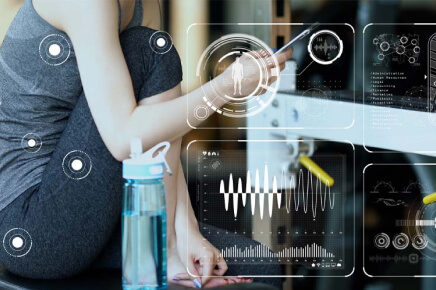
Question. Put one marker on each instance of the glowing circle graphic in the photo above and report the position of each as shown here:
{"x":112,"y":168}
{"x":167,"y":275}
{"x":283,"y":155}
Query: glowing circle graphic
{"x":31,"y":142}
{"x":382,"y":241}
{"x":77,"y":164}
{"x":240,"y":60}
{"x":161,"y":42}
{"x":55,"y":49}
{"x":325,"y":47}
{"x":17,"y":242}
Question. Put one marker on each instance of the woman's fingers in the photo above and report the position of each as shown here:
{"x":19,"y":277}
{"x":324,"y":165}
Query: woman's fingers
{"x":222,"y":267}
{"x":284,"y":56}
{"x":184,"y":279}
{"x":215,"y":282}
{"x":185,"y":283}
{"x":207,"y":264}
{"x":194,"y":275}
{"x":281,"y":58}
{"x":212,"y":265}
{"x":181,"y":276}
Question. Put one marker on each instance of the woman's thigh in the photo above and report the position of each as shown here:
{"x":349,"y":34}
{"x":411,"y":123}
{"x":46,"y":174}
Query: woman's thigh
{"x":72,"y":215}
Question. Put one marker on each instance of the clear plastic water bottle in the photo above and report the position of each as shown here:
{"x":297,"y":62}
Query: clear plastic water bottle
{"x":144,"y":243}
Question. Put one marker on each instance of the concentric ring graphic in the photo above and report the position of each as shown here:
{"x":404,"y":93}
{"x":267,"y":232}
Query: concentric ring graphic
{"x":17,"y":242}
{"x":77,"y":164}
{"x":400,"y":241}
{"x":419,"y":242}
{"x":161,"y":42}
{"x":201,"y":112}
{"x":31,"y":142}
{"x":244,"y":59}
{"x":54,"y":49}
{"x":425,"y":230}
{"x":382,"y":241}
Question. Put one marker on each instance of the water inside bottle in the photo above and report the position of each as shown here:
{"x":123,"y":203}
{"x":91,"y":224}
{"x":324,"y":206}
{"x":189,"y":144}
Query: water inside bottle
{"x":144,"y":250}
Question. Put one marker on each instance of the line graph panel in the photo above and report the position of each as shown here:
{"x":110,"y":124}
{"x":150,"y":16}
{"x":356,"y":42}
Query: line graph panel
{"x":231,"y":196}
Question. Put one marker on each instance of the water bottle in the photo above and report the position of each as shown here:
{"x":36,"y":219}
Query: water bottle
{"x":144,"y":243}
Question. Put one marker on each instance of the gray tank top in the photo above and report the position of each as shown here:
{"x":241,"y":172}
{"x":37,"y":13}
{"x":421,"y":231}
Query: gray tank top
{"x":39,"y":87}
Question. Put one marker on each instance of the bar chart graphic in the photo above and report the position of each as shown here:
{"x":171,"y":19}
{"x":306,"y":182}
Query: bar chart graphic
{"x":262,"y":251}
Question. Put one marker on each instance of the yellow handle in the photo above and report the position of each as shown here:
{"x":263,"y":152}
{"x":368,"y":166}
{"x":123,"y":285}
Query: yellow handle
{"x":429,"y":198}
{"x":317,"y":171}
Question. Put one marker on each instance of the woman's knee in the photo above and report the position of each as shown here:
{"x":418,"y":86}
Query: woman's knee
{"x":152,"y":59}
{"x":29,"y":254}
{"x":36,"y":246}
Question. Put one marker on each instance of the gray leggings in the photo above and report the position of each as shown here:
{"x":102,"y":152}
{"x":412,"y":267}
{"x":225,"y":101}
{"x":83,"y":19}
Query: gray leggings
{"x":70,"y":225}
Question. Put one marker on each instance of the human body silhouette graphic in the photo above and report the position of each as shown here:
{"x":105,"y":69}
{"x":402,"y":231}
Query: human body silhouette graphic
{"x":237,"y":75}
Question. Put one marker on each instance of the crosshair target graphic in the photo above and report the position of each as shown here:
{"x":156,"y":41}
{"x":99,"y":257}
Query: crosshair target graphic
{"x":244,"y":58}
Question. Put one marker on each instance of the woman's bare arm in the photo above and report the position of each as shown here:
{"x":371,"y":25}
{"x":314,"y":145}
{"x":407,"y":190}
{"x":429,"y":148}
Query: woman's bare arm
{"x":151,"y":16}
{"x":93,"y":29}
{"x":173,"y":159}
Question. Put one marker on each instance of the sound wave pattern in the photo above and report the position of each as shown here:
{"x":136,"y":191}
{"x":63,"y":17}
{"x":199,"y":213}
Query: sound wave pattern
{"x":325,"y":47}
{"x":396,"y":258}
{"x":303,"y":189}
{"x":262,"y":251}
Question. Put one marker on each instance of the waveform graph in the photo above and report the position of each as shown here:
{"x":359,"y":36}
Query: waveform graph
{"x":305,"y":193}
{"x":412,"y":258}
{"x":325,"y":47}
{"x":272,"y":200}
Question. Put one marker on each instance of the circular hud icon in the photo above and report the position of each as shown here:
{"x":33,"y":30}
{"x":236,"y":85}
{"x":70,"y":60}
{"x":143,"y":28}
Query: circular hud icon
{"x":325,"y":47}
{"x":17,"y":242}
{"x":54,"y":49}
{"x":161,"y":42}
{"x":245,"y":59}
{"x":77,"y":164}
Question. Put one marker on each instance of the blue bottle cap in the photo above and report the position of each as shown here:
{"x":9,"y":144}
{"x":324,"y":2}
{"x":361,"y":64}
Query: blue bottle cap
{"x":148,"y":165}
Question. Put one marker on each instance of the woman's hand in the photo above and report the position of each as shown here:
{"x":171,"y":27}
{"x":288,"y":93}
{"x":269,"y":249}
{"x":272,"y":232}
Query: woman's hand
{"x":197,"y":255}
{"x":203,"y":262}
{"x":200,"y":257}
